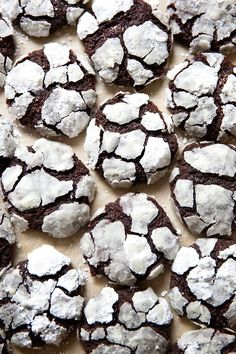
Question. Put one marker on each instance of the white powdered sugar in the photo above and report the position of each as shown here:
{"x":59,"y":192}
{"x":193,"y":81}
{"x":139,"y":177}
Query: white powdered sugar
{"x":7,"y":240}
{"x":65,"y":99}
{"x":138,"y":251}
{"x":202,"y":106}
{"x":7,"y":48}
{"x":136,"y":324}
{"x":132,"y":136}
{"x":48,"y":179}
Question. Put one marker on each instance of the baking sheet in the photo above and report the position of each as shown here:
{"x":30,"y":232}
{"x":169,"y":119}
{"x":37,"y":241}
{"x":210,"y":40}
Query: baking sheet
{"x":30,"y":240}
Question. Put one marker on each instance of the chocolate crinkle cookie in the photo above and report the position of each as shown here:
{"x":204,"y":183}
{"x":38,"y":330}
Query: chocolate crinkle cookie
{"x":130,"y":141}
{"x":202,"y":97}
{"x":129,"y":240}
{"x":128,"y":42}
{"x":7,"y":241}
{"x":7,"y":48}
{"x":203,"y":188}
{"x":206,"y":341}
{"x":46,"y":187}
{"x":203,"y":284}
{"x":126,"y":321}
{"x":7,"y":143}
{"x":40,"y":299}
{"x":40,"y":18}
{"x":52,"y":91}
{"x":204,"y":24}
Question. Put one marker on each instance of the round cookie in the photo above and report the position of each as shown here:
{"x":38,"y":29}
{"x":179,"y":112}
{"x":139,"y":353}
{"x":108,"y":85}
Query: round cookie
{"x":7,"y":241}
{"x":204,"y":25}
{"x":46,"y":187}
{"x":7,"y":48}
{"x":126,"y":321}
{"x":52,"y":91}
{"x":130,"y":141}
{"x":129,"y":240}
{"x":40,"y":18}
{"x":40,"y":300}
{"x":202,"y":97}
{"x":128,"y":42}
{"x":7,"y":143}
{"x":203,"y":284}
{"x":203,"y":188}
{"x":205,"y":341}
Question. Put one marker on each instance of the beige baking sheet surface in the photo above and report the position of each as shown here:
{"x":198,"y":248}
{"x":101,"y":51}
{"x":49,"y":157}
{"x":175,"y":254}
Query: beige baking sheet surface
{"x":30,"y":240}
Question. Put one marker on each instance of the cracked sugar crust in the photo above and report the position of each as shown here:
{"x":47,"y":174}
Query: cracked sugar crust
{"x":46,"y":187}
{"x":7,"y":241}
{"x":203,"y":286}
{"x":203,"y":189}
{"x":204,"y":25}
{"x":128,"y":41}
{"x":7,"y":143}
{"x":52,"y":91}
{"x":130,"y":141}
{"x":4,"y":343}
{"x":40,"y":18}
{"x":126,"y":321}
{"x":206,"y":341}
{"x":202,"y":98}
{"x":7,"y":48}
{"x":40,"y":299}
{"x":129,"y":240}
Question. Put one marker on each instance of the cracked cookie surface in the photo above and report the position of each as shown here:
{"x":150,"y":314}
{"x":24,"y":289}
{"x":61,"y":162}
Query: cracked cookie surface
{"x":52,"y":91}
{"x":202,"y":97}
{"x":204,"y":24}
{"x":203,"y":284}
{"x":40,"y":299}
{"x":130,"y":141}
{"x":7,"y":143}
{"x":205,"y":341}
{"x":40,"y":18}
{"x":128,"y":42}
{"x":7,"y":48}
{"x":126,"y":321}
{"x":46,"y":187}
{"x":129,"y":240}
{"x":203,"y":189}
{"x":7,"y":241}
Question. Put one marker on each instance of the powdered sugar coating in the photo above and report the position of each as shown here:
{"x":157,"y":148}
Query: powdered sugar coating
{"x":52,"y":91}
{"x":204,"y":25}
{"x":49,"y":181}
{"x":201,"y":96}
{"x":4,"y":344}
{"x":7,"y":142}
{"x":41,"y":18}
{"x":37,"y":306}
{"x":130,"y":240}
{"x":136,"y":52}
{"x":206,"y":285}
{"x":203,"y":189}
{"x":126,"y":321}
{"x":130,"y":141}
{"x":7,"y":48}
{"x":7,"y":240}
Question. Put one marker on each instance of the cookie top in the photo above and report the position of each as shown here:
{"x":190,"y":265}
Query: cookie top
{"x":129,"y":240}
{"x":40,"y":18}
{"x":7,"y":142}
{"x":52,"y":91}
{"x":203,"y":188}
{"x":202,"y":97}
{"x":203,"y":284}
{"x":204,"y":24}
{"x":130,"y":141}
{"x":7,"y":48}
{"x":40,"y":299}
{"x":7,"y":241}
{"x":128,"y":42}
{"x":46,"y":187}
{"x":205,"y":341}
{"x":127,"y":321}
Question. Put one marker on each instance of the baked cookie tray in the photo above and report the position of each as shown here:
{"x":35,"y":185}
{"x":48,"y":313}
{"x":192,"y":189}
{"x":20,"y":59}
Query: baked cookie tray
{"x":30,"y":240}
